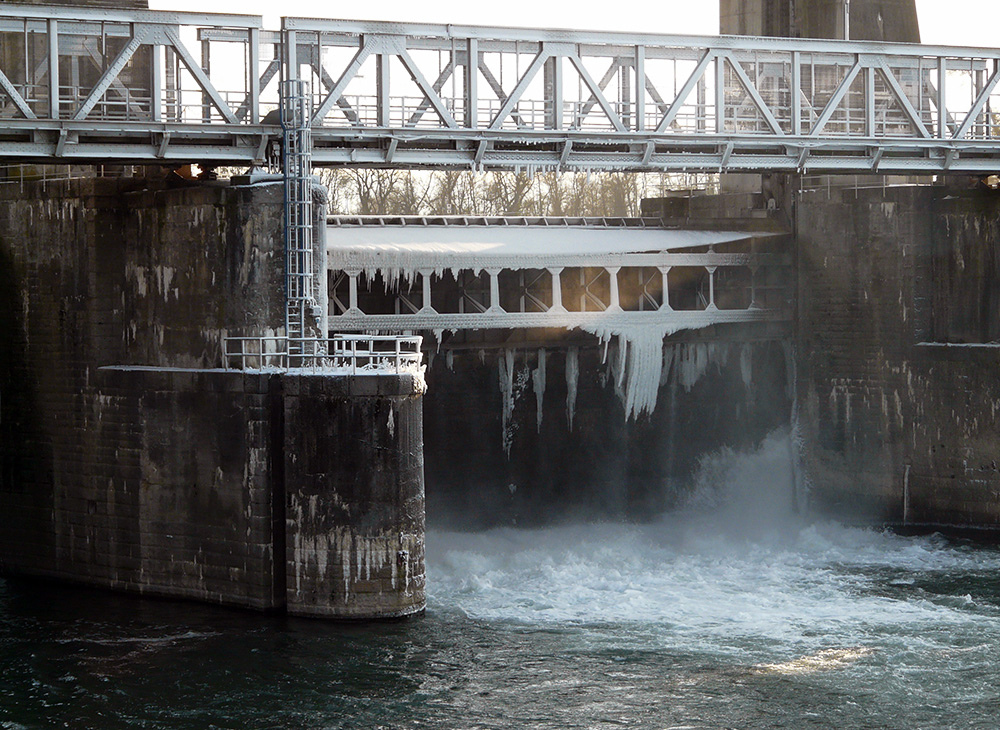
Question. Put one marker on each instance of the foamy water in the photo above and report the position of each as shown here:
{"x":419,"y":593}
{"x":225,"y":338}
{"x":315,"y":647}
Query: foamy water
{"x":733,"y":612}
{"x":739,"y":580}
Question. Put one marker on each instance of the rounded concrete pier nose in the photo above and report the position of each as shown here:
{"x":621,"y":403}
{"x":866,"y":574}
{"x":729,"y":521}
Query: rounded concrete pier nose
{"x":354,"y":488}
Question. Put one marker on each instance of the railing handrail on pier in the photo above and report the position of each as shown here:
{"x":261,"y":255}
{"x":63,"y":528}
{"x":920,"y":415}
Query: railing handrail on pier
{"x":338,"y":355}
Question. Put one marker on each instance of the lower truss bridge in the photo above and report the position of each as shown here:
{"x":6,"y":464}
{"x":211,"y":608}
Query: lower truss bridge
{"x":487,"y":283}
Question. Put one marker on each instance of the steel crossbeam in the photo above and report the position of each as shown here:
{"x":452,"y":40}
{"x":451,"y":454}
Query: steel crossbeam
{"x":99,"y":85}
{"x":79,"y":84}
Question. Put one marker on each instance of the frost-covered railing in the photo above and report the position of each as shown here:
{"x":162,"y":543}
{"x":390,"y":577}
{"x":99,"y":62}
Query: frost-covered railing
{"x":376,"y":354}
{"x":340,"y":354}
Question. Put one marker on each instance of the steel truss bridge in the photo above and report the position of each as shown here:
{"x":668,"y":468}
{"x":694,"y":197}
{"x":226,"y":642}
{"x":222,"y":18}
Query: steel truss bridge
{"x":145,"y":87}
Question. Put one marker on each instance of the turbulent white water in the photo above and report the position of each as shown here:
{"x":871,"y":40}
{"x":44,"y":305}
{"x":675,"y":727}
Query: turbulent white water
{"x":732,"y":613}
{"x":734,"y":574}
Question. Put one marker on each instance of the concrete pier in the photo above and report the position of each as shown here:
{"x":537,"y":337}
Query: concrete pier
{"x":130,"y":458}
{"x":899,"y":342}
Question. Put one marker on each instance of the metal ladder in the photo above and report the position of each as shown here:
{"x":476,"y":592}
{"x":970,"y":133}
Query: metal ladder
{"x":296,"y":163}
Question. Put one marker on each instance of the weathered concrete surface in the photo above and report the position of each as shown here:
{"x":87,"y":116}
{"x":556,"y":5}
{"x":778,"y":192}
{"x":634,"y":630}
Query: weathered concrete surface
{"x":874,"y":20}
{"x":128,"y":458}
{"x":597,"y":465}
{"x":898,"y":354}
{"x":355,"y":475}
{"x":155,"y":481}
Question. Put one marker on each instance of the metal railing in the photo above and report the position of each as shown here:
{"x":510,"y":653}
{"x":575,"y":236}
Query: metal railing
{"x":338,"y":355}
{"x":376,"y":354}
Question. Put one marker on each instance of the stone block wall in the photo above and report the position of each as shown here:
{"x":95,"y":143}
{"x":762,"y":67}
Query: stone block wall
{"x":898,"y":355}
{"x":355,"y":496}
{"x":128,"y":457}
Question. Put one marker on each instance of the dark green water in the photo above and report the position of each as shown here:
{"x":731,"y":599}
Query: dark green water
{"x":731,"y":614}
{"x":603,"y":626}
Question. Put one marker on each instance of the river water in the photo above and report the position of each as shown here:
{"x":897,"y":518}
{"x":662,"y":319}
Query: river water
{"x":730,"y":613}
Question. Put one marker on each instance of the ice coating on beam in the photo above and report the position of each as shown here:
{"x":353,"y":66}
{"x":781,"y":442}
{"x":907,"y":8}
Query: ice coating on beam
{"x":401,"y":253}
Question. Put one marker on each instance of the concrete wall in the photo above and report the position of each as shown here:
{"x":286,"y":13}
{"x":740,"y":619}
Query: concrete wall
{"x":128,"y":457}
{"x":898,"y":354}
{"x":874,"y":20}
{"x":355,"y":496}
{"x":599,"y":465}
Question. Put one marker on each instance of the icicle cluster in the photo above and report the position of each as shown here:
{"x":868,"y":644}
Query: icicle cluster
{"x":638,"y":364}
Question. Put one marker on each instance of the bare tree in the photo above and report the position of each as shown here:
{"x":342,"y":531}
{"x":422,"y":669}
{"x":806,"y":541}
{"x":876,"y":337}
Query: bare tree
{"x":410,"y":194}
{"x":394,"y":192}
{"x":374,"y":189}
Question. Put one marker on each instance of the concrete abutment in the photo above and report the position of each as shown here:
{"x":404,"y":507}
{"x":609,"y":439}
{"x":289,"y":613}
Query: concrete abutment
{"x":131,"y":459}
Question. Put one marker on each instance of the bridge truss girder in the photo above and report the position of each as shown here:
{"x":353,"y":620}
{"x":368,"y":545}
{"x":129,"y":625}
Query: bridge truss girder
{"x":672,"y":290}
{"x":153,"y":87}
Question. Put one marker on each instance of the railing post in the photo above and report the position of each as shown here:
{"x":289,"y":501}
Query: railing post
{"x":156,"y":101}
{"x":640,"y":88}
{"x":711,"y":287}
{"x":942,"y":101}
{"x":53,"y":59}
{"x":472,"y":84}
{"x":425,"y":282}
{"x":720,"y":93}
{"x":352,"y":289}
{"x":557,"y":305}
{"x":796,"y":91}
{"x":494,"y":291}
{"x":206,"y":64}
{"x":665,"y":304}
{"x":615,"y":304}
{"x":253,"y":75}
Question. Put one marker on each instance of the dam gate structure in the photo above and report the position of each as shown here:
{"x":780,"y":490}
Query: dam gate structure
{"x":169,"y":347}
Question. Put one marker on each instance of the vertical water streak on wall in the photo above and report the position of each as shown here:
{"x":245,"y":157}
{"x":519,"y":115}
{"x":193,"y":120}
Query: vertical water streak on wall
{"x":572,"y":381}
{"x":538,"y":384}
{"x":746,"y":365}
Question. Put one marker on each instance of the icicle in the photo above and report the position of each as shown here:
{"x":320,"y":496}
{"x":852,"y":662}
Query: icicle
{"x":538,"y":384}
{"x":619,"y":366}
{"x":638,"y":365}
{"x":644,"y":376}
{"x":449,"y":359}
{"x":506,"y":371}
{"x":669,"y":354}
{"x":572,"y":380}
